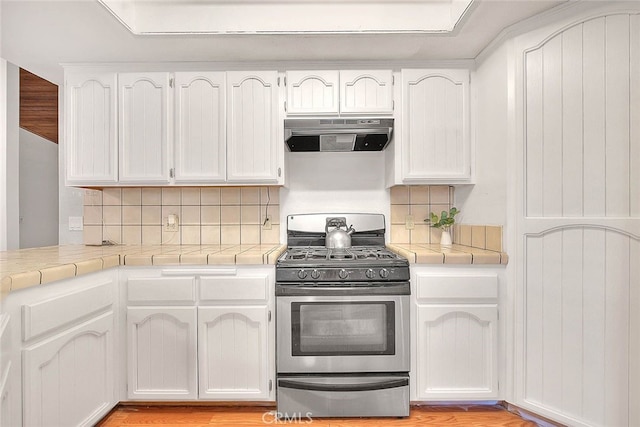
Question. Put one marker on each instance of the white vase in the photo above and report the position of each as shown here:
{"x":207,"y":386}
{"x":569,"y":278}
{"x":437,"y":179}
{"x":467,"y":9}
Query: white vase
{"x":445,"y":238}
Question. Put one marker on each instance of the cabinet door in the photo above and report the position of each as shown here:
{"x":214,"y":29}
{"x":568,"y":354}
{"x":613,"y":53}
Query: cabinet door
{"x":68,"y":379}
{"x":7,"y":401}
{"x":435,"y":138}
{"x":233,"y":353}
{"x":254,"y":124}
{"x":366,"y":91}
{"x":312,"y":92}
{"x":90,"y":123}
{"x":162,"y":353}
{"x":200,"y":144}
{"x":457,"y":352}
{"x":144,"y":121}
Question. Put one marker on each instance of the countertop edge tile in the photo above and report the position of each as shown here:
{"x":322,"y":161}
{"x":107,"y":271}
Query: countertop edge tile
{"x":89,"y":266}
{"x":25,"y":280}
{"x":455,"y":254}
{"x":59,"y":272}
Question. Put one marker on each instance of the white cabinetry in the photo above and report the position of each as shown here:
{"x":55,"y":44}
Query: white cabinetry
{"x":434,"y":144}
{"x":161,"y":338}
{"x":91,"y":140}
{"x":164,"y":128}
{"x":144,"y":128}
{"x":334,"y":92}
{"x":200,"y":334}
{"x":456,"y":341}
{"x":236,"y":337}
{"x":254,"y":148}
{"x":6,"y":396}
{"x":200,"y":144}
{"x":68,"y":374}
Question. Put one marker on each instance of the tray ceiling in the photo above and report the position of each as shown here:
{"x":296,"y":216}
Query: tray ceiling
{"x":288,"y":16}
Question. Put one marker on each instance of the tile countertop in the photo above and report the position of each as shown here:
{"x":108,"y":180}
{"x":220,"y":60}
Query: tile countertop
{"x":456,"y":254}
{"x":29,"y":267}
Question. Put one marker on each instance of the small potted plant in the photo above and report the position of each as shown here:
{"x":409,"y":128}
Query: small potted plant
{"x":444,"y":222}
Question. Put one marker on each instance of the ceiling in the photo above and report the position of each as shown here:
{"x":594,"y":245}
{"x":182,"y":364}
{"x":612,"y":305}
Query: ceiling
{"x":38,"y":35}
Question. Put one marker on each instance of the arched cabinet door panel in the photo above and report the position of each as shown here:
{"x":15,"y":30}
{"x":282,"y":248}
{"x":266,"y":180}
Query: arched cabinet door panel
{"x":435,"y":141}
{"x":457,"y":351}
{"x":145,"y":116}
{"x":91,"y":140}
{"x":200,"y":134}
{"x":162,"y":353}
{"x":313,"y":92}
{"x":369,"y":91}
{"x":254,"y":149}
{"x":68,"y":379}
{"x":233,"y":351}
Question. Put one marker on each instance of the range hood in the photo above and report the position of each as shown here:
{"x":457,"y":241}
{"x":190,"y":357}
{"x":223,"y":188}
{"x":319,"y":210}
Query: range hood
{"x":337,"y":134}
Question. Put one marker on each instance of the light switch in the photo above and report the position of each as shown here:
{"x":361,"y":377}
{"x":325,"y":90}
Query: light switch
{"x":75,"y":223}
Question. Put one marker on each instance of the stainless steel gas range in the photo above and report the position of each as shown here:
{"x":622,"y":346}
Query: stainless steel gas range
{"x":342,"y":321}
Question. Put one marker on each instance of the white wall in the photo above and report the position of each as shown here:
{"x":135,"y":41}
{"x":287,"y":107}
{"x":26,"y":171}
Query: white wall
{"x":486,"y":201}
{"x":334,"y":182}
{"x":38,"y":191}
{"x":13,"y":157}
{"x":3,"y":154}
{"x":69,"y":198}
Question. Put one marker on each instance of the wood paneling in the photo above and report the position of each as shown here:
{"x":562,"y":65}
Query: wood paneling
{"x":581,"y":223}
{"x":582,"y":93}
{"x":261,"y":416}
{"x":38,"y":106}
{"x":579,"y":290}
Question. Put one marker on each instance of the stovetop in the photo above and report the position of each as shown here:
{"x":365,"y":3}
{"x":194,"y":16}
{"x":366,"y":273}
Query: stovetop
{"x":356,"y":264}
{"x":314,"y":254}
{"x":367,"y":260}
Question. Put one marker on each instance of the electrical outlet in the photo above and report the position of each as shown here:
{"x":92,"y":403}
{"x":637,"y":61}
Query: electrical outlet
{"x":408,"y":222}
{"x":171,"y":223}
{"x":266,"y":225}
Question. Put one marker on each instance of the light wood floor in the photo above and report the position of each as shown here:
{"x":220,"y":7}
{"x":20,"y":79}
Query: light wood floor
{"x":158,"y":416}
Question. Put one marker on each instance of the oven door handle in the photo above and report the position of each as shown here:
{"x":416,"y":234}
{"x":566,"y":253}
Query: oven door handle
{"x":344,"y":387}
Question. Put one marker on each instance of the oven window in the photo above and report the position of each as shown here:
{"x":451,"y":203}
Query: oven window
{"x":342,"y":328}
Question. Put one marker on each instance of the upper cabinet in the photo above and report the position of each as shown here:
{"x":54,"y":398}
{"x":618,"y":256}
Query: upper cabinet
{"x":254,"y":125}
{"x":434,"y":145}
{"x":201,"y":132}
{"x":183,"y":128}
{"x":91,"y":128}
{"x":144,"y":128}
{"x":339,"y":92}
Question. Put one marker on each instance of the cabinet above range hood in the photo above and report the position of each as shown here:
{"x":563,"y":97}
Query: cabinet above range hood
{"x":337,"y":134}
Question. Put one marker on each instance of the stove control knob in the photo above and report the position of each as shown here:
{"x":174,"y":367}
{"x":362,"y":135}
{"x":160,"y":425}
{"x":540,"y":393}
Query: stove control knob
{"x":370,"y":273}
{"x":302,"y":274}
{"x":315,"y":274}
{"x":384,"y":273}
{"x":343,"y":274}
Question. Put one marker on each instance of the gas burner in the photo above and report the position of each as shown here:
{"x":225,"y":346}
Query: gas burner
{"x":339,"y":255}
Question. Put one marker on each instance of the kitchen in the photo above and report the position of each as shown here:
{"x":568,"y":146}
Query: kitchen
{"x":564,"y":79}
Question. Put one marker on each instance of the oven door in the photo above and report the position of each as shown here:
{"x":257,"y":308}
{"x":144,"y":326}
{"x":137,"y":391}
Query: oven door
{"x":332,"y":334}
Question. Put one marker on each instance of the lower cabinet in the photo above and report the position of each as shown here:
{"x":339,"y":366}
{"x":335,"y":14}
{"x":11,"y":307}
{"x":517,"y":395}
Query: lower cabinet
{"x":233,"y":352}
{"x":68,"y":353}
{"x":207,"y":336}
{"x":6,"y":395}
{"x":456,"y":341}
{"x":69,"y":378}
{"x":162,"y":353}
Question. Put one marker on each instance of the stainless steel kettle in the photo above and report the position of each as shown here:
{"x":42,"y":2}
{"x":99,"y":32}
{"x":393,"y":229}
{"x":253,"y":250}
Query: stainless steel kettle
{"x":338,"y":238}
